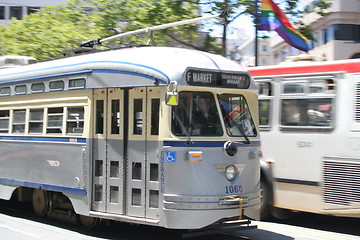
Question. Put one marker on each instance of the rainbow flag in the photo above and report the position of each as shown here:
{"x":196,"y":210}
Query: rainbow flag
{"x":272,"y":18}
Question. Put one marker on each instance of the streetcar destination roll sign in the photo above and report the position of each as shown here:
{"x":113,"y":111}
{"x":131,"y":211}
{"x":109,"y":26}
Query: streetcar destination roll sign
{"x":217,"y":79}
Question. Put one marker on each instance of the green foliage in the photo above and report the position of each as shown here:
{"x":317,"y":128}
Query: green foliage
{"x":46,"y":33}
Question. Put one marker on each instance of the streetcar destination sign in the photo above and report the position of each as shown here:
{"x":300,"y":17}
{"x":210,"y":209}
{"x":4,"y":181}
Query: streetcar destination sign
{"x":217,"y":79}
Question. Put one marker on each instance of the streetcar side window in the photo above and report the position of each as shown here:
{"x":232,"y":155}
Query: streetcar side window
{"x":4,"y":121}
{"x":55,"y":120}
{"x":56,"y":85}
{"x":38,"y":87}
{"x":20,"y":89}
{"x":138,"y":117}
{"x":75,"y":120}
{"x":115,"y":116}
{"x":77,"y":83}
{"x":313,"y":109}
{"x":36,"y":121}
{"x":99,"y":117}
{"x":18,"y":124}
{"x":155,"y":112}
{"x":5,"y":91}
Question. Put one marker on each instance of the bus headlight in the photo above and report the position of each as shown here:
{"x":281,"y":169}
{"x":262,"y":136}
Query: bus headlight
{"x":230,"y":172}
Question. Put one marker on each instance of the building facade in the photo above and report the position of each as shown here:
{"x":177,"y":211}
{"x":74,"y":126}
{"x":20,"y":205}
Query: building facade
{"x":19,"y":8}
{"x":337,"y":35}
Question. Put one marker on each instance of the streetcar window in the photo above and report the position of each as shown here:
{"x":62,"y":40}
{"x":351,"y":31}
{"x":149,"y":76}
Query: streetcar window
{"x":196,"y":115}
{"x":115,"y":116}
{"x":75,"y":120}
{"x":20,"y":89}
{"x":38,"y":87}
{"x":54,"y":120}
{"x":5,"y":91}
{"x":154,"y":199}
{"x":138,"y":117}
{"x":57,"y":85}
{"x":154,"y":172}
{"x":237,"y":116}
{"x":136,"y":197}
{"x":19,"y":117}
{"x":99,"y":117}
{"x":77,"y":83}
{"x":36,"y":121}
{"x":155,"y":108}
{"x":4,"y":121}
{"x":136,"y":171}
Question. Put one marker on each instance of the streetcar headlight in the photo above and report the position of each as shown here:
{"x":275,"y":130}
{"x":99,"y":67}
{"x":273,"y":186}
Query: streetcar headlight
{"x":230,"y":172}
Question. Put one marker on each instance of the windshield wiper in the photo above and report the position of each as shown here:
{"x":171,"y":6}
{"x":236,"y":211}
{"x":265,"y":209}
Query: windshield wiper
{"x":183,"y":128}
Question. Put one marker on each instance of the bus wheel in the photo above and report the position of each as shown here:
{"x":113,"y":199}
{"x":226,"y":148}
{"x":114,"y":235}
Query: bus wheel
{"x":89,"y":222}
{"x":40,"y":202}
{"x":266,"y":201}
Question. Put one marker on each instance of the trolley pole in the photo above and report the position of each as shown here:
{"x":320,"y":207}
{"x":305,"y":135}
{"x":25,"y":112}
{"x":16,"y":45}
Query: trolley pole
{"x":91,"y":43}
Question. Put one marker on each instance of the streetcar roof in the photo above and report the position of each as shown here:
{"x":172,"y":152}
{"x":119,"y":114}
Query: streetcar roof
{"x":159,"y":65}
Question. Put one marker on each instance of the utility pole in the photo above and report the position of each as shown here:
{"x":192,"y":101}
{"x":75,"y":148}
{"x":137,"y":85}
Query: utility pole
{"x":256,"y":32}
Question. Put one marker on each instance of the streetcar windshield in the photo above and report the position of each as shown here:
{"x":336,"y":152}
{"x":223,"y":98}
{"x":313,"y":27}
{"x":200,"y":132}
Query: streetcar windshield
{"x":196,"y":115}
{"x":236,"y":114}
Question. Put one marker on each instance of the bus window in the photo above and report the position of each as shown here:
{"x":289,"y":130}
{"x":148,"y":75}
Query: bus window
{"x":264,"y":112}
{"x":36,"y":121}
{"x":306,"y":112}
{"x":294,"y":87}
{"x":4,"y":121}
{"x":196,"y":115}
{"x":313,"y":108}
{"x":264,"y":89}
{"x":238,"y":120}
{"x":19,"y":121}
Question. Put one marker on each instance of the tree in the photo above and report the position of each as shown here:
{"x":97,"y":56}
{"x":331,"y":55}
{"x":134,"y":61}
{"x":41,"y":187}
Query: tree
{"x":46,"y":33}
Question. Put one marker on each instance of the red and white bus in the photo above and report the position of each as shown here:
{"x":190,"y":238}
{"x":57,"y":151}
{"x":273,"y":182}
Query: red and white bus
{"x":310,"y":130}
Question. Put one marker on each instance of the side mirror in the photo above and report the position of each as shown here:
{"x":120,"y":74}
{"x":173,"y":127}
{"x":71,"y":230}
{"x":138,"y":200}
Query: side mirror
{"x":172,"y":97}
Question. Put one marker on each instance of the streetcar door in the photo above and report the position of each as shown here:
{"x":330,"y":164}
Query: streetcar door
{"x":142,"y":150}
{"x":108,"y":151}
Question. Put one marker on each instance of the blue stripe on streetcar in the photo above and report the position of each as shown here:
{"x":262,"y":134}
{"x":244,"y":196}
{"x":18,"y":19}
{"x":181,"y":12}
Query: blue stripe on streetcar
{"x":208,"y":144}
{"x":49,"y":187}
{"x":44,"y":139}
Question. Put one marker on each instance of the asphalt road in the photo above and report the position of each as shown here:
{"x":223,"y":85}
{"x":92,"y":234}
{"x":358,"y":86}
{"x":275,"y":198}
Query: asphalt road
{"x":17,"y":222}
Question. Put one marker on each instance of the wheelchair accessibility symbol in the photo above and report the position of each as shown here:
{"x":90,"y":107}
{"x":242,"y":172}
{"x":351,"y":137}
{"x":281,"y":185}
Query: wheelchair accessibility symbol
{"x":170,"y":156}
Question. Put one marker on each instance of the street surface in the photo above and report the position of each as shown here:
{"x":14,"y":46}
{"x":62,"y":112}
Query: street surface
{"x":17,"y":222}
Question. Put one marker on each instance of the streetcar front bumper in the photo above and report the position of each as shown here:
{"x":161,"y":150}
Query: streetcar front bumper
{"x":194,"y":212}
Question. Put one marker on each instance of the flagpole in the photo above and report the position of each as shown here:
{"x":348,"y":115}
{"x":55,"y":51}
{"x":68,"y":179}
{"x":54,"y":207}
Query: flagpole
{"x":256,"y":32}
